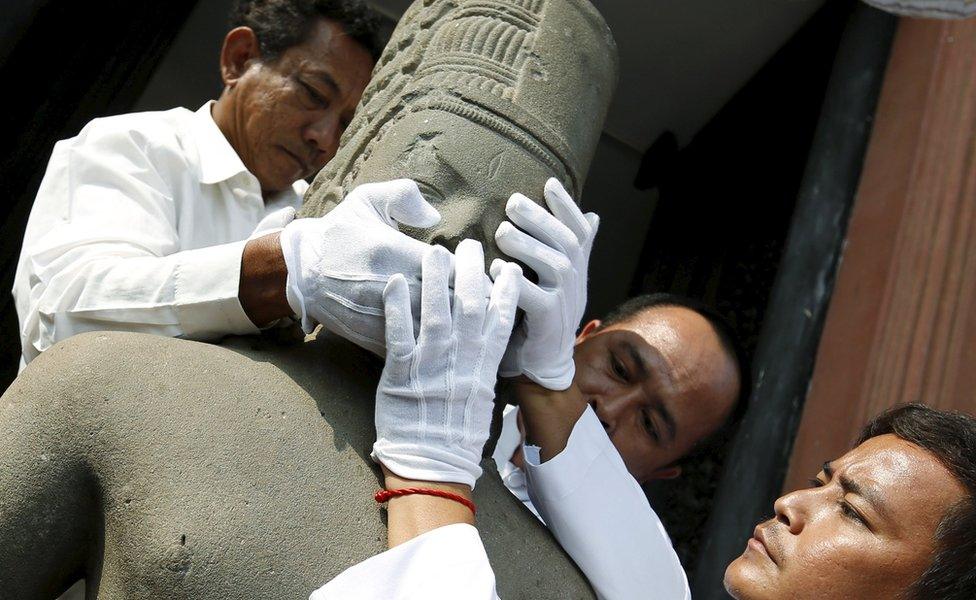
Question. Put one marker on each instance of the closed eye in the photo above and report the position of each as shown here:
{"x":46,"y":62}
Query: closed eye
{"x":315,"y":95}
{"x":618,"y":367}
{"x":851,"y":513}
{"x":846,"y":508}
{"x":650,"y":428}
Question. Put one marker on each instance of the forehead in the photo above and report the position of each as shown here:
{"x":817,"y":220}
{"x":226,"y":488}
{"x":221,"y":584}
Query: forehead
{"x":457,"y":156}
{"x":329,"y":48}
{"x":898,"y":469}
{"x":466,"y":170}
{"x":686,"y":341}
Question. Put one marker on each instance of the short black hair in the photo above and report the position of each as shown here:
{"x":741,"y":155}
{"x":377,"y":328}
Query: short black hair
{"x":282,"y":24}
{"x":951,"y":438}
{"x":728,"y":338}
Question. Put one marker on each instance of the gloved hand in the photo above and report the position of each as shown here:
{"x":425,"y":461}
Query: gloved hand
{"x":339,"y":264}
{"x":434,"y":400}
{"x":557,"y":247}
{"x":273,"y":222}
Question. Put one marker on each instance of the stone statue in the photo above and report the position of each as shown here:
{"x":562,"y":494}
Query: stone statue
{"x":476,"y":100}
{"x":158,"y":467}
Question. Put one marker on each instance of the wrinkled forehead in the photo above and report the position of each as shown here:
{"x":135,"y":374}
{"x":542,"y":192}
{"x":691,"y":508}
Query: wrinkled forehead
{"x":897,"y":470}
{"x":686,"y":340}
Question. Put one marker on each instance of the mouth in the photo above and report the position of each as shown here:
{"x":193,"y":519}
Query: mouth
{"x":758,"y":543}
{"x":302,"y":165}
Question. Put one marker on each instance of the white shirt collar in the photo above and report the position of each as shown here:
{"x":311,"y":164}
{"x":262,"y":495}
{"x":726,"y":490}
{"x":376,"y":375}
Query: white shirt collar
{"x":218,"y":159}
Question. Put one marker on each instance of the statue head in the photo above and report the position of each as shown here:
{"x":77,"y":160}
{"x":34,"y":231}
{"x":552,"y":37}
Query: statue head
{"x":475,"y":100}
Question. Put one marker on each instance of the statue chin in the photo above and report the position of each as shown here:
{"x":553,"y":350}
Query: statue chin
{"x":159,"y":467}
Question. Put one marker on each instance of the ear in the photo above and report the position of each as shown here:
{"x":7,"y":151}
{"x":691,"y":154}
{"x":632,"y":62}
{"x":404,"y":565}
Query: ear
{"x":239,"y":50}
{"x":666,"y":473}
{"x":588,"y":329}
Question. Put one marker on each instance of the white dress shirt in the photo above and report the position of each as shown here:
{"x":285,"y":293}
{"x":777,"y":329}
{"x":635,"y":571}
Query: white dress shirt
{"x":139,"y":225}
{"x":447,"y":563}
{"x":601,"y":517}
{"x":586,"y":497}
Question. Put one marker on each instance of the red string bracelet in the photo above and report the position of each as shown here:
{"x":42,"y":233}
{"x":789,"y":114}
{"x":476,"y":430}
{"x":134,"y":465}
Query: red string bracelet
{"x":384,"y":495}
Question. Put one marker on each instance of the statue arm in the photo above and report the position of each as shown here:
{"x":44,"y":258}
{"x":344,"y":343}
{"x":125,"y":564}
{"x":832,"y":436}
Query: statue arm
{"x":47,"y":497}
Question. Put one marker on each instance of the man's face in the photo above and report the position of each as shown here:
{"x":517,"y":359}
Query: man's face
{"x":289,"y":113}
{"x":660,"y":382}
{"x":863,"y":531}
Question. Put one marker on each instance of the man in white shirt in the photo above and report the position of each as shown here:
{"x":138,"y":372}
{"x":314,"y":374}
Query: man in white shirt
{"x":861,"y":530}
{"x":622,"y":403}
{"x":657,"y":362}
{"x":142,"y":220}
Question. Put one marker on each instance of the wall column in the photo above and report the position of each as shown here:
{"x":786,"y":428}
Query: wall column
{"x":902,"y":321}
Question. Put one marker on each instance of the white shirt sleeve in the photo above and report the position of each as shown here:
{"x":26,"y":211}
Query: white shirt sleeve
{"x":447,"y":563}
{"x":109,"y":258}
{"x":602,"y":518}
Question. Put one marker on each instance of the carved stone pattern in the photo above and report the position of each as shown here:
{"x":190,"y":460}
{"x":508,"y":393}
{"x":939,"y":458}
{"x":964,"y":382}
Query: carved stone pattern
{"x":443,"y":44}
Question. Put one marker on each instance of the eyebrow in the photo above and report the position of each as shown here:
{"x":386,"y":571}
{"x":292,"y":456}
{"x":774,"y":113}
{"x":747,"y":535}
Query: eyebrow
{"x":849,"y":486}
{"x":640,"y":365}
{"x":327,"y":79}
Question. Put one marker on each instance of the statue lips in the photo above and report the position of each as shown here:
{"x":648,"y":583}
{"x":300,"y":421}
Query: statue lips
{"x":765,"y":542}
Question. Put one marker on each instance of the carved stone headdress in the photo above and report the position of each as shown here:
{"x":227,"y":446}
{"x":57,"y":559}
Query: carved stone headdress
{"x":540,"y":73}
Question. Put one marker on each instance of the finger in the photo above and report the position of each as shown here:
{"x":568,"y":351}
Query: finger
{"x":435,"y":303}
{"x":532,"y":299}
{"x":501,"y":306}
{"x":540,"y":224}
{"x":565,"y":209}
{"x":496,"y":268}
{"x":470,"y":293}
{"x":399,"y":317}
{"x":545,"y":261}
{"x":278,"y":218}
{"x":399,"y":200}
{"x":594,"y":220}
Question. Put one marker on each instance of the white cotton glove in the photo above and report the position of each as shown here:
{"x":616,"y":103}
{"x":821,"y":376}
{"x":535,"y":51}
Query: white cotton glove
{"x":557,"y":247}
{"x":434,"y":400}
{"x":339,"y":264}
{"x":273,"y":222}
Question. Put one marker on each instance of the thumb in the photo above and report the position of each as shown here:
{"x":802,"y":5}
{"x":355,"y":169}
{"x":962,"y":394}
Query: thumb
{"x":274,"y":220}
{"x":399,"y":200}
{"x":594,"y":220}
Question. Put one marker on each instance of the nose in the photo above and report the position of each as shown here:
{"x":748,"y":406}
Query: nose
{"x":612,"y":409}
{"x":792,"y":510}
{"x":323,"y":134}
